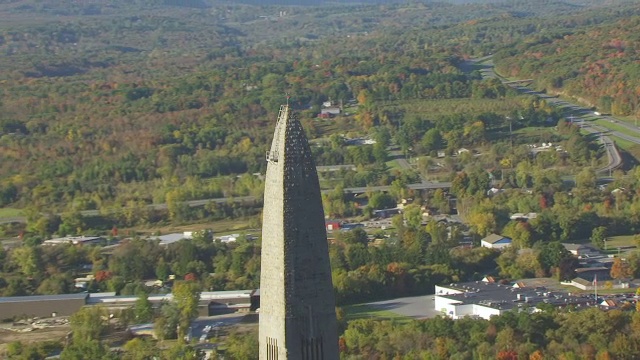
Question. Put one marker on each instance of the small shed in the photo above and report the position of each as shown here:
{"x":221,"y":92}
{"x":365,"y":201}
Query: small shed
{"x":332,"y":225}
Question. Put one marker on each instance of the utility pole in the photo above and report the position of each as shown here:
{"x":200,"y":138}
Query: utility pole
{"x":510,"y":131}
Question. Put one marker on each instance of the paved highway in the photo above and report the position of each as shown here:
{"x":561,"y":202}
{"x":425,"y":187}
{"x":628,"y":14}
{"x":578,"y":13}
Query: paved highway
{"x":582,"y":116}
{"x":576,"y":112}
{"x":420,"y":186}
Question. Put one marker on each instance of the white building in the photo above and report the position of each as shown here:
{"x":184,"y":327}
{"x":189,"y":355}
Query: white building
{"x":172,"y":238}
{"x":484,"y":299}
{"x":228,"y":238}
{"x":495,"y":241}
{"x":580,"y":250}
{"x":75,"y":240}
{"x":458,"y":303}
{"x":523,"y":216}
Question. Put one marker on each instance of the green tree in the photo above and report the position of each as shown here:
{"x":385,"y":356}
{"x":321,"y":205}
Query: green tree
{"x":243,"y":346}
{"x":56,"y":284}
{"x":552,"y":254}
{"x":162,"y":270}
{"x":89,"y":349}
{"x":599,"y":237}
{"x":140,"y":348}
{"x":355,"y":236}
{"x":437,"y":231}
{"x":186,"y":295}
{"x":413,"y":216}
{"x":166,"y":324}
{"x":28,"y":259}
{"x":586,"y":178}
{"x":143,"y":308}
{"x":380,"y":200}
{"x":432,"y":140}
{"x":88,"y":324}
{"x":183,"y":351}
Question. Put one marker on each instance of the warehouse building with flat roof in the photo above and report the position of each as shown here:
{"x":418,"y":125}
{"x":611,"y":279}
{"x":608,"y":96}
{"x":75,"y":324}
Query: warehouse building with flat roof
{"x":485,"y":299}
{"x":12,"y":307}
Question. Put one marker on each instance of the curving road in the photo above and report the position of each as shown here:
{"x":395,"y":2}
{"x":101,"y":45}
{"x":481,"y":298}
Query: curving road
{"x":576,"y":112}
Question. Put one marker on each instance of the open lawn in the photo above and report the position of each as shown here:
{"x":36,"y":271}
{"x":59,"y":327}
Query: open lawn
{"x":393,"y":165}
{"x":338,"y":125}
{"x":536,"y":134}
{"x":616,"y":127}
{"x":622,"y":241}
{"x":10,"y":212}
{"x":219,"y":227}
{"x":630,"y":148}
{"x":623,"y":144}
{"x":632,"y":119}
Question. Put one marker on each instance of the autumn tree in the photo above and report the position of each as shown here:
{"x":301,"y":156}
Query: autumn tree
{"x":620,"y":269}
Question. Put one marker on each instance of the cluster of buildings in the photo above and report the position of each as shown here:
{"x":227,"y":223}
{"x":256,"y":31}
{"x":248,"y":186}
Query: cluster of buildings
{"x":167,"y":239}
{"x":163,"y":240}
{"x":594,"y":265}
{"x":535,"y":149}
{"x":211,"y":303}
{"x":77,"y":240}
{"x":486,"y":298}
{"x":329,"y":110}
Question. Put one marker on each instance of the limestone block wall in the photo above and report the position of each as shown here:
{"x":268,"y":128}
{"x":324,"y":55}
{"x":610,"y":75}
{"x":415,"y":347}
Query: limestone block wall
{"x":297,"y":311}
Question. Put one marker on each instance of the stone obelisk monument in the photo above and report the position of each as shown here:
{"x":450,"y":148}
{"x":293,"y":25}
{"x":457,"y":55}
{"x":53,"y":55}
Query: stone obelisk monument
{"x":297,"y":303}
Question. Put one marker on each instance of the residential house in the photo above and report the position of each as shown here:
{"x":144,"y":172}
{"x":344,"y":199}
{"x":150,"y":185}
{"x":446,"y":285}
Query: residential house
{"x":331,"y":111}
{"x":581,"y":250}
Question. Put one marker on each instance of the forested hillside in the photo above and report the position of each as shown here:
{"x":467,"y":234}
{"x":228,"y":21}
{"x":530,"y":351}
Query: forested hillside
{"x":107,"y":103}
{"x":599,"y":65}
{"x":115,"y":105}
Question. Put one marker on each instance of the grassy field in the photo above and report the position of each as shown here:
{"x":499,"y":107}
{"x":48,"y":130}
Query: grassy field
{"x":338,"y":125}
{"x":629,"y":119}
{"x":393,"y":165}
{"x":616,"y":127}
{"x":10,"y":212}
{"x":361,"y":311}
{"x":631,"y":148}
{"x":219,"y":227}
{"x":613,"y":241}
{"x":623,"y":241}
{"x":536,"y":134}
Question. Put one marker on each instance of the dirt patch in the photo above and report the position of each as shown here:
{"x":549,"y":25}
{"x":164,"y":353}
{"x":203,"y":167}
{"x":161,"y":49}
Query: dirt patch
{"x":52,"y":333}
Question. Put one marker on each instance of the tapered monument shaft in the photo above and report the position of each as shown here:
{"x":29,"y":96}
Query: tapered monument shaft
{"x":297,"y":304}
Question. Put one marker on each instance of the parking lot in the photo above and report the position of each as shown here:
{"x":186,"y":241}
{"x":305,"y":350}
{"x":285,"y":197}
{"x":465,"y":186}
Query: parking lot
{"x":417,"y":307}
{"x":211,"y":326}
